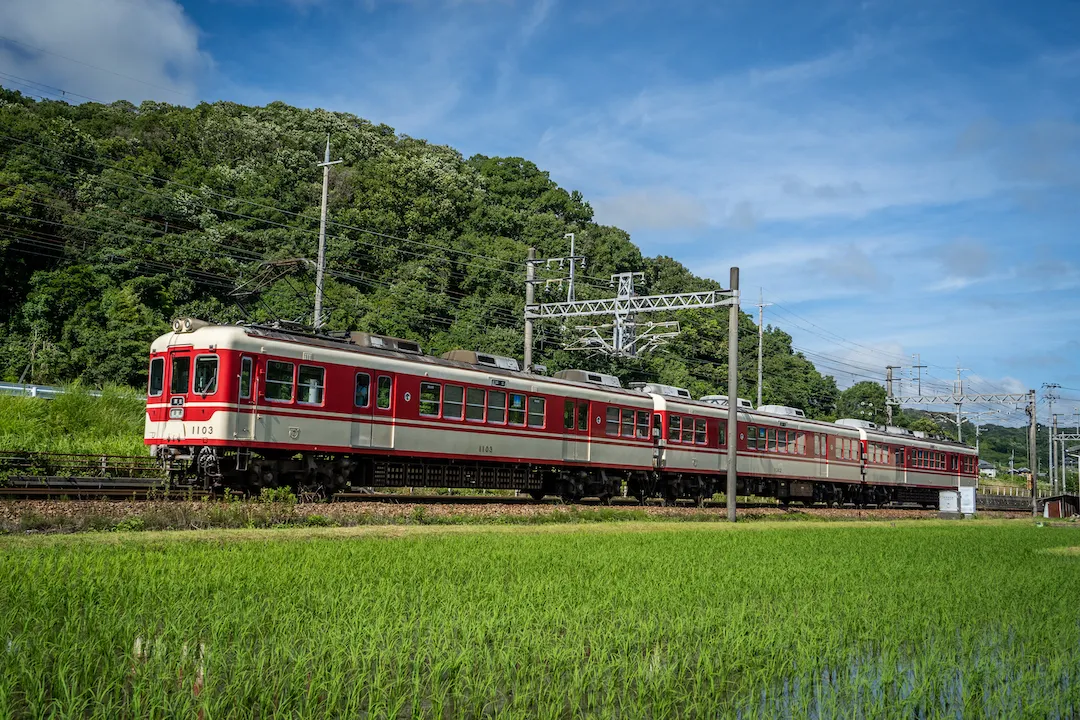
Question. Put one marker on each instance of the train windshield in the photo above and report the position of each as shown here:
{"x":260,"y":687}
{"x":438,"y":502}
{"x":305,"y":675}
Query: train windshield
{"x":157,"y":377}
{"x":206,"y":367}
{"x":181,"y":373}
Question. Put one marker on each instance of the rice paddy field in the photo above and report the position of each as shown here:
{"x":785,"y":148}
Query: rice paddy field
{"x":918,"y":619}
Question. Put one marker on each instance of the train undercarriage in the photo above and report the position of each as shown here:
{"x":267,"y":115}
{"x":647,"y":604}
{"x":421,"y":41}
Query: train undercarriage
{"x":324,"y":475}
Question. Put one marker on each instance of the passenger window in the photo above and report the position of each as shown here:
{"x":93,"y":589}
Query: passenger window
{"x":723,"y":436}
{"x":643,"y":424}
{"x":583,"y":416}
{"x":311,"y":381}
{"x":900,"y":458}
{"x":770,"y":436}
{"x":517,"y":409}
{"x":453,"y":402}
{"x":181,"y":375}
{"x":245,"y":378}
{"x":537,"y":407}
{"x":674,"y":423}
{"x":430,"y":399}
{"x":279,"y":381}
{"x":628,"y":423}
{"x":157,"y":377}
{"x":781,"y":441}
{"x":474,"y":404}
{"x":496,"y":407}
{"x":611,"y":426}
{"x":800,"y":444}
{"x":700,"y":436}
{"x":751,"y":438}
{"x":362,"y":394}
{"x":384,"y":392}
{"x":688,"y":430}
{"x":568,"y":415}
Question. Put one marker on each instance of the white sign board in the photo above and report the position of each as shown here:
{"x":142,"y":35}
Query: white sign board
{"x":967,"y":500}
{"x":949,"y":501}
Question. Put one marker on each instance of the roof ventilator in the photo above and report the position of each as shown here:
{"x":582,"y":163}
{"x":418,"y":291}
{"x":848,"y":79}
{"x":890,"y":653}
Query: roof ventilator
{"x":385,"y":342}
{"x":781,"y":410}
{"x":586,"y":376}
{"x":487,"y":360}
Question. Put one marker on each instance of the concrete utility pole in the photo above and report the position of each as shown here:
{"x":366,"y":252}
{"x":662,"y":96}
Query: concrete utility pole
{"x":1050,"y":397}
{"x":321,"y":267}
{"x":1053,"y":455}
{"x":889,"y":392}
{"x":959,"y":392}
{"x":760,"y":339}
{"x":530,"y":298}
{"x":1033,"y":458}
{"x":733,"y":396}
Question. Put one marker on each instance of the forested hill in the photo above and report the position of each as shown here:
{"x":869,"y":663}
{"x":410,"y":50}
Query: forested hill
{"x":116,"y":218}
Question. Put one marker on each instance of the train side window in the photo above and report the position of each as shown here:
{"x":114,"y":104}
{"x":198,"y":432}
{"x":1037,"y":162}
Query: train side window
{"x":583,"y":416}
{"x":430,"y":399}
{"x":384,"y":392}
{"x":800,"y":444}
{"x":781,"y":441}
{"x":700,"y":435}
{"x":453,"y":401}
{"x":770,"y":437}
{"x":537,"y":410}
{"x":688,"y":430}
{"x":611,"y":423}
{"x":568,"y":415}
{"x":674,"y":423}
{"x":496,"y":407}
{"x":723,"y":436}
{"x":627,"y":423}
{"x":517,"y":409}
{"x":751,"y":438}
{"x":157,"y":377}
{"x":474,"y":404}
{"x":245,"y":378}
{"x":279,"y":381}
{"x":643,"y":424}
{"x":899,"y":453}
{"x":181,"y":374}
{"x":311,"y":381}
{"x":362,"y":394}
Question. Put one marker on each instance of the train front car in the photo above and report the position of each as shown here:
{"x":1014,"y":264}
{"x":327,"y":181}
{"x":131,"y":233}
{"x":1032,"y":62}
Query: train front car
{"x":191,"y":409}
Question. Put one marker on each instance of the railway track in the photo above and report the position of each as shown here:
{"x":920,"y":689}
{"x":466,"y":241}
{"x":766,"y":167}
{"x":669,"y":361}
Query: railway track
{"x":25,"y":475}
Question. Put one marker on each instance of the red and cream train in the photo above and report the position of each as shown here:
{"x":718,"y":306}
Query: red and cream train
{"x":252,"y":406}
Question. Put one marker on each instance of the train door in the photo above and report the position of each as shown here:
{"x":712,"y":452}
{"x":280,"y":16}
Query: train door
{"x":246,"y":399}
{"x":363,"y":413}
{"x":178,"y":386}
{"x":382,"y":410}
{"x":576,"y":430}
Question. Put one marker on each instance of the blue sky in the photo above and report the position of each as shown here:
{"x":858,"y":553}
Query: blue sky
{"x":899,"y":177}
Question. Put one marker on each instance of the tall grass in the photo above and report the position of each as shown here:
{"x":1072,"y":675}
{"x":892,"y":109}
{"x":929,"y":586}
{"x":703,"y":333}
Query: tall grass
{"x":915,"y":620}
{"x":75,"y":422}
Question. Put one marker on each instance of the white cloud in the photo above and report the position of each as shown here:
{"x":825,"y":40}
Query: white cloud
{"x":644,"y":209}
{"x":106,"y":49}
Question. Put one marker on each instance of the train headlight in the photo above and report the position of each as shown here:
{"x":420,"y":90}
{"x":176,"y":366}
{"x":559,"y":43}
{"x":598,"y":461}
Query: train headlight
{"x":176,"y":413}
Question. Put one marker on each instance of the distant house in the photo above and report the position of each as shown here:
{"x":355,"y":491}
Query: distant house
{"x":987,"y":469}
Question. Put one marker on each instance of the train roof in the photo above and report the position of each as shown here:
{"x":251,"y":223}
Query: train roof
{"x":236,"y":336}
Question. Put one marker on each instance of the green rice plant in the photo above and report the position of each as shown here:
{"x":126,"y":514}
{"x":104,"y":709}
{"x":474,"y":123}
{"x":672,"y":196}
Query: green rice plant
{"x":637,"y":620}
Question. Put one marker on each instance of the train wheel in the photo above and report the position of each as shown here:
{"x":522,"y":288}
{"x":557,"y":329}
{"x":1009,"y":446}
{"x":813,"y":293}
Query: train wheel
{"x":537,"y":495}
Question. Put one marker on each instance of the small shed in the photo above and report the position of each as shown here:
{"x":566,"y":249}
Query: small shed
{"x":1060,"y":506}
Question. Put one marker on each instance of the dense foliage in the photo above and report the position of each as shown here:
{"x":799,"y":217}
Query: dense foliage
{"x":116,"y":218}
{"x":882,"y":620}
